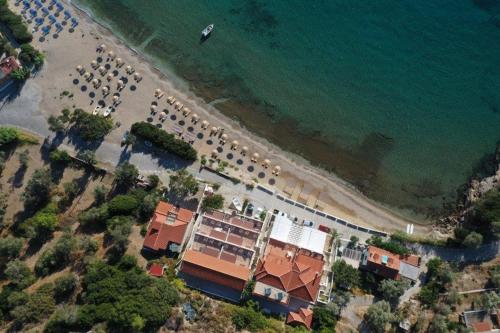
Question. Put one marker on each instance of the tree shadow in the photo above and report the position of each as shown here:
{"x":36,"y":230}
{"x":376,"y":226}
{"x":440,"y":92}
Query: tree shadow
{"x":17,"y":180}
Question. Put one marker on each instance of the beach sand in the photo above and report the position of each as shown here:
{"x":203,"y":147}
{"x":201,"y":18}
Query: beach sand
{"x":58,"y":75}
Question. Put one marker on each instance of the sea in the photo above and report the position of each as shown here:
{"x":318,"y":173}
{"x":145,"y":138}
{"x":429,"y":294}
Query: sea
{"x":399,"y":98}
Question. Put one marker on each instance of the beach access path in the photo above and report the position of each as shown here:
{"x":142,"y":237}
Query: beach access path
{"x":42,"y":96}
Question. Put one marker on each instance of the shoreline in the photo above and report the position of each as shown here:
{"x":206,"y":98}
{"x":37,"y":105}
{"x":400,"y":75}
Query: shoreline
{"x":292,"y":157}
{"x":346,"y":199}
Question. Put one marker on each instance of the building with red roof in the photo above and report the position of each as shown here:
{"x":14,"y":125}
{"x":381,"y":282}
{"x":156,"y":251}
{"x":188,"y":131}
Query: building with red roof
{"x":167,"y":228}
{"x":7,"y":66}
{"x":390,"y":265}
{"x":156,"y":270}
{"x":288,"y":275}
{"x":303,"y":317}
{"x":220,"y":254}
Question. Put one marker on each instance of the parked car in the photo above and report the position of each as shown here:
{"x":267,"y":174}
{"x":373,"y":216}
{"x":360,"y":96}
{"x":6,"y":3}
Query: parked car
{"x":250,"y":209}
{"x":324,"y":228}
{"x":308,"y":223}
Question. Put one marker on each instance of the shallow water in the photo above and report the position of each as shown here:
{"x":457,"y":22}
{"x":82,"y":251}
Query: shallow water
{"x":400,"y":98}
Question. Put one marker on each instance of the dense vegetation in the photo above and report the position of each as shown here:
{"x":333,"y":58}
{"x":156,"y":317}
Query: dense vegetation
{"x":164,"y":141}
{"x":15,"y":24}
{"x":391,"y":245}
{"x":91,"y":127}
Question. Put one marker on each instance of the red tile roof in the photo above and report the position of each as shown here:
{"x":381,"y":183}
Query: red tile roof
{"x":156,"y":270}
{"x":217,"y":265}
{"x":8,"y":65}
{"x":296,"y":273}
{"x":168,"y":225}
{"x":482,"y":326}
{"x":302,"y":317}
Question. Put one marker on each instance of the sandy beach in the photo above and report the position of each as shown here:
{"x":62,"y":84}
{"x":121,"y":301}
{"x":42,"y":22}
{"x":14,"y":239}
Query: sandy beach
{"x":60,"y":86}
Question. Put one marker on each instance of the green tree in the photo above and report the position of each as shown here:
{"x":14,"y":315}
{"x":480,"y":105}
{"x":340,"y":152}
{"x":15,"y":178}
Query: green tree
{"x":39,"y":306}
{"x":212,"y":202}
{"x":148,"y":206}
{"x":64,"y":286}
{"x":20,"y":74}
{"x":353,"y":241}
{"x":118,"y":229}
{"x":37,"y":191}
{"x":95,"y":215}
{"x":42,"y":224}
{"x":55,"y":124}
{"x":344,"y":275}
{"x":473,"y":240}
{"x":153,"y":181}
{"x":248,"y":318}
{"x":71,"y":190}
{"x":19,"y":274}
{"x":391,"y":290}
{"x":126,"y":175}
{"x":100,"y":193}
{"x":495,"y":276}
{"x":379,"y":316}
{"x":490,"y":300}
{"x":439,"y":324}
{"x":182,"y":184}
{"x":87,"y":156}
{"x":487,"y":213}
{"x":91,"y":127}
{"x":59,"y":156}
{"x":57,"y":256}
{"x":10,"y":247}
{"x":123,"y":204}
{"x":8,"y":135}
{"x":324,"y":319}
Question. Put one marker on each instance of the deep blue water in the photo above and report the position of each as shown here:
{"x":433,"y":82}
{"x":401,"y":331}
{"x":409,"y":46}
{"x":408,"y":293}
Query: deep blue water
{"x":400,"y":98}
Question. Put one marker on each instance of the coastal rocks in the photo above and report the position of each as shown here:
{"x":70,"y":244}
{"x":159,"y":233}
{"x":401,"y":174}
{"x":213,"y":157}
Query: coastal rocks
{"x":479,"y":187}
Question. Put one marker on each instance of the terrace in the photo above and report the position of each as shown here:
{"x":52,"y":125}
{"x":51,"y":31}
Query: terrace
{"x":228,"y":233}
{"x":235,"y":220}
{"x":224,"y":251}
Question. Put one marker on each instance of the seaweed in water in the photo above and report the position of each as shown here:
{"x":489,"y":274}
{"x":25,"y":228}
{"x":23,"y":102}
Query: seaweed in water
{"x":257,"y":18}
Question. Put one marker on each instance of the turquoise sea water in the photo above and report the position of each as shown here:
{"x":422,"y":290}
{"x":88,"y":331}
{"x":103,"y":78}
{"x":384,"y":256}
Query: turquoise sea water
{"x":400,"y":98}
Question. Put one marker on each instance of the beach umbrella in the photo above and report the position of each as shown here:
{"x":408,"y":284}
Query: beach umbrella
{"x":74,"y":22}
{"x":102,"y":47}
{"x":105,"y":90}
{"x":186,"y":112}
{"x":67,"y":14}
{"x":115,"y":98}
{"x":119,"y":84}
{"x":79,"y":68}
{"x":93,"y":63}
{"x":224,"y":137}
{"x":204,"y":124}
{"x":87,"y":75}
{"x":102,"y":70}
{"x":255,"y":157}
{"x":195,"y":117}
{"x":214,"y":153}
{"x":45,"y":11}
{"x":137,"y":77}
{"x":119,"y":62}
{"x":153,"y":108}
{"x":95,"y":82}
{"x":234,"y":144}
{"x":277,"y":170}
{"x":157,"y":91}
{"x":214,"y":130}
{"x":266,"y":163}
{"x":128,"y":69}
{"x":33,"y":12}
{"x":59,"y":6}
{"x":26,"y":4}
{"x":111,"y":54}
{"x":244,"y":150}
{"x":39,"y":20}
{"x":38,"y":4}
{"x":59,"y":27}
{"x":109,"y":77}
{"x":163,"y":115}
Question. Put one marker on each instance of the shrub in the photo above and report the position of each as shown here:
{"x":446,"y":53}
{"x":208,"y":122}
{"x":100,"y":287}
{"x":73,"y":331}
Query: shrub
{"x":100,"y":192}
{"x":164,"y":140}
{"x":57,"y":256}
{"x":39,"y":306}
{"x":123,"y":205}
{"x":42,"y":224}
{"x":118,"y":229}
{"x":378,"y":316}
{"x":20,"y":74}
{"x":126,"y":175}
{"x":215,"y":201}
{"x":487,"y":214}
{"x":247,"y":318}
{"x":324,"y":319}
{"x":15,"y":24}
{"x":391,"y":245}
{"x":64,"y":286}
{"x":391,"y":290}
{"x":473,"y":240}
{"x":182,"y":184}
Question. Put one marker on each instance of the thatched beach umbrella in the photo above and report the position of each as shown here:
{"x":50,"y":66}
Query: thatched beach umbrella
{"x":244,"y":150}
{"x":170,"y":99}
{"x":177,"y":105}
{"x":102,"y":70}
{"x":204,"y":124}
{"x":277,"y":170}
{"x":93,"y":63}
{"x":186,"y":112}
{"x":214,"y":153}
{"x":235,"y":144}
{"x":157,"y":92}
{"x":87,"y":75}
{"x":116,"y":99}
{"x":255,"y":157}
{"x":223,"y":137}
{"x":119,"y":62}
{"x":266,"y":163}
{"x":102,"y":48}
{"x":213,"y":130}
{"x":153,"y":108}
{"x":120,"y":84}
{"x":137,"y":77}
{"x":163,"y":115}
{"x":109,"y":77}
{"x":105,"y":90}
{"x":95,"y":82}
{"x":79,"y":68}
{"x":111,"y":55}
{"x":195,"y":118}
{"x":129,"y":69}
